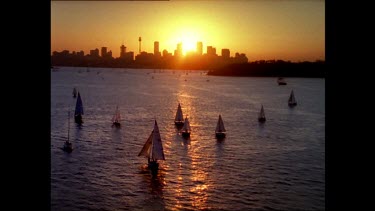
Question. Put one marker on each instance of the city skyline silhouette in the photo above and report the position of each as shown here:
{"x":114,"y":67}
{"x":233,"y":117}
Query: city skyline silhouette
{"x":286,"y":30}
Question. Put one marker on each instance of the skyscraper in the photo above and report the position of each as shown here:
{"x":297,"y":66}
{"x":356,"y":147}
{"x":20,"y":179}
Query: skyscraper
{"x":104,"y":51}
{"x":156,"y":48}
{"x":140,"y":40}
{"x":199,"y":48}
{"x":178,"y":51}
{"x":211,"y":51}
{"x":122,"y":51}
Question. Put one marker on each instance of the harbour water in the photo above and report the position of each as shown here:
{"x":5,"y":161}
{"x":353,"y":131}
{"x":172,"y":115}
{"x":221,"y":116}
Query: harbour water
{"x":276,"y":165}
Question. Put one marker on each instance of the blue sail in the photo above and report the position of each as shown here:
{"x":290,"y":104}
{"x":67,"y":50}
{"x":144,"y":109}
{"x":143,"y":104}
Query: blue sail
{"x":79,"y":106}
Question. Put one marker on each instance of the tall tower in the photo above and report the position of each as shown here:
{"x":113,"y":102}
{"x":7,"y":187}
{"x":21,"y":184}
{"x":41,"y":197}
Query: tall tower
{"x":140,"y":40}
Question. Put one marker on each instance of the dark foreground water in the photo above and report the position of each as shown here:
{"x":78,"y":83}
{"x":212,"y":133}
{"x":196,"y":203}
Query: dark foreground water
{"x":278,"y":165}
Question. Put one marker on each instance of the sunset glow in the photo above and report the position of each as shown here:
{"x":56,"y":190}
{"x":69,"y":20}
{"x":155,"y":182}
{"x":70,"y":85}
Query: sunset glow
{"x":289,"y":30}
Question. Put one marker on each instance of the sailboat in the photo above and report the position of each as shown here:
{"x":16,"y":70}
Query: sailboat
{"x":292,"y":100}
{"x":179,"y":119}
{"x":185,"y":131}
{"x":79,"y":110}
{"x":153,"y":149}
{"x":116,"y":118}
{"x":262,"y":116}
{"x":68,"y":146}
{"x":220,"y":129}
{"x":74,"y":92}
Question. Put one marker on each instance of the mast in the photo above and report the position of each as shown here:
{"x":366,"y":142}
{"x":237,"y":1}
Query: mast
{"x":68,"y":124}
{"x":116,"y":117}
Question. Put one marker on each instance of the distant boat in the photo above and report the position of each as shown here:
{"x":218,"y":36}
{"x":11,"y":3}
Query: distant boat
{"x":79,"y":110}
{"x":74,"y":92}
{"x":116,"y":118}
{"x":262,"y":116}
{"x":68,"y":146}
{"x":179,"y":119}
{"x":153,"y":149}
{"x":281,"y":81}
{"x":292,"y":100}
{"x":54,"y":69}
{"x":185,"y":131}
{"x":220,"y":129}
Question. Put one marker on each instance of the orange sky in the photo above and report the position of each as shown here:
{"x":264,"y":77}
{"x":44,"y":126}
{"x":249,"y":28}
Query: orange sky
{"x":262,"y":29}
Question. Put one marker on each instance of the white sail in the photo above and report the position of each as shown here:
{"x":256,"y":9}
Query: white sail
{"x":153,"y":147}
{"x":220,"y":126}
{"x":179,"y":117}
{"x":261,"y":114}
{"x":157,"y":152}
{"x":186,"y":128}
{"x":146,"y":147}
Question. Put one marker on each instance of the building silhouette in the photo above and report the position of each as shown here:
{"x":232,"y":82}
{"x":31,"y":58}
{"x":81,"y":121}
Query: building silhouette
{"x":108,"y":55}
{"x":122,"y":51}
{"x":178,"y":51}
{"x":199,"y":48}
{"x":192,"y":60}
{"x":104,"y":52}
{"x":211,"y":51}
{"x":156,"y":49}
{"x":225,"y":53}
{"x":94,"y":53}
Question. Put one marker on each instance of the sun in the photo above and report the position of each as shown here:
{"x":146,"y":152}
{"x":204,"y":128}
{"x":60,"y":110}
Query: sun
{"x":189,"y":41}
{"x":188,"y":45}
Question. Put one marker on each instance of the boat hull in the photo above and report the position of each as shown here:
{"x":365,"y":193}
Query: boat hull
{"x":68,"y":147}
{"x":282,"y":83}
{"x":292,"y":104}
{"x":185,"y":134}
{"x":116,"y":124}
{"x":78,"y":119}
{"x":179,"y":123}
{"x":220,"y":135}
{"x":261,"y":119}
{"x":153,"y":166}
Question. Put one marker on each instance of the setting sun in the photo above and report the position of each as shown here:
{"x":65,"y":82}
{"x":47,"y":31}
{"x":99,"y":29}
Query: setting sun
{"x":187,"y":46}
{"x":189,"y":39}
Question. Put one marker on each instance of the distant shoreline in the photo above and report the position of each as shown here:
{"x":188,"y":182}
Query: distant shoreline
{"x":254,"y":69}
{"x":276,"y":69}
